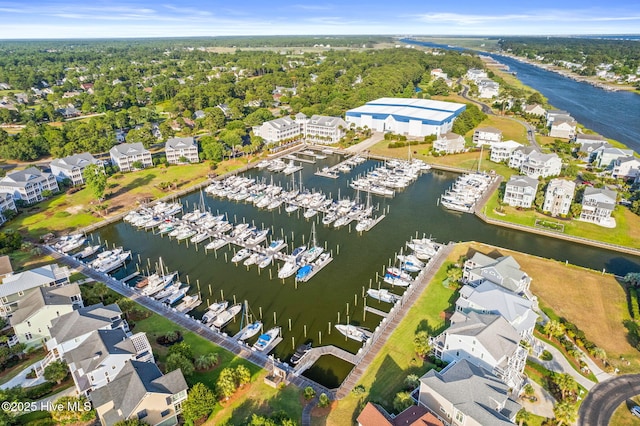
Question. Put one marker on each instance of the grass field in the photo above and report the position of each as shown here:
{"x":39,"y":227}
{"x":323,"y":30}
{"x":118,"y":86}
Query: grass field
{"x":396,"y":360}
{"x":596,"y":303}
{"x":626,"y":233}
{"x":622,"y":416}
{"x":511,"y":129}
{"x":65,"y":213}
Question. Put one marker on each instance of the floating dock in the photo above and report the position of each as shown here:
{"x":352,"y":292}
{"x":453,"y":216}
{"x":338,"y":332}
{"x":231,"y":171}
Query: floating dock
{"x":316,"y":269}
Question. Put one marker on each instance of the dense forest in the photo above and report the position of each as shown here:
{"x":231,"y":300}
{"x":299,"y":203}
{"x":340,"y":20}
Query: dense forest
{"x":623,"y":55}
{"x":135,"y":83}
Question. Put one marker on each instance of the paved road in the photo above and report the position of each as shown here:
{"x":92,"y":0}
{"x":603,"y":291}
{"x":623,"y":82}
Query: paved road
{"x":366,"y":144}
{"x":606,"y":397}
{"x":559,"y":364}
{"x":21,"y":379}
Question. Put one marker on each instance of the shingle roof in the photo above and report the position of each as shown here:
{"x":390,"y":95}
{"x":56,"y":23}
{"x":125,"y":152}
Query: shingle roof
{"x":24,"y":176}
{"x":504,"y":271}
{"x":127,"y":149}
{"x":41,"y":297}
{"x":83,"y":321}
{"x":475,"y":392}
{"x":26,"y":280}
{"x":73,"y":161}
{"x":98,"y":346}
{"x":132,"y":384}
{"x":180,"y":143}
{"x":522,"y":181}
{"x":493,"y":332}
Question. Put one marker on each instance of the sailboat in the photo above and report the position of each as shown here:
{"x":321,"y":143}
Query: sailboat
{"x":314,"y":249}
{"x":249,"y":330}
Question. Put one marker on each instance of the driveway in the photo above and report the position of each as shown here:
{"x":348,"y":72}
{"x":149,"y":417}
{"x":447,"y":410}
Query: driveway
{"x":366,"y":144}
{"x":606,"y":397}
{"x":21,"y":379}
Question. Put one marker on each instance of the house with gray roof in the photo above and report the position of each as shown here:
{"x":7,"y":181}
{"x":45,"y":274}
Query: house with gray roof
{"x":126,"y":154}
{"x":73,"y":166}
{"x":449,"y":143}
{"x":563,"y":128}
{"x":6,"y":203}
{"x":519,"y":155}
{"x":487,"y":136}
{"x":598,"y":205}
{"x":503,"y":271}
{"x":606,"y":156}
{"x":141,"y":391}
{"x":535,"y":109}
{"x":557,"y":114}
{"x":37,"y":310}
{"x":485,"y":340}
{"x":587,"y":139}
{"x":467,"y":395}
{"x":321,"y":128}
{"x":488,"y":88}
{"x":16,"y":285}
{"x":558,"y":197}
{"x":28,"y":184}
{"x":489,"y":298}
{"x":177,"y":149}
{"x":627,"y":168}
{"x":537,"y":164}
{"x":520,"y":191}
{"x":501,"y":151}
{"x":278,"y":130}
{"x":102,"y":355}
{"x":70,"y":330}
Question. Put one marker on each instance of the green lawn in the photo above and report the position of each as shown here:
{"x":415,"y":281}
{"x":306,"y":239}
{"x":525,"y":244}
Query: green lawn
{"x":9,"y":374}
{"x":622,"y":416}
{"x":626,"y":233}
{"x":396,"y":360}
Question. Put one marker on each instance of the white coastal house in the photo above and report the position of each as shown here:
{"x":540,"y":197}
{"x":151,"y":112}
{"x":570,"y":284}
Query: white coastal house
{"x":557,"y":114}
{"x":535,"y":109}
{"x":558,"y":197}
{"x":449,"y":143}
{"x":504,"y":271}
{"x":73,"y":166}
{"x":16,"y":286}
{"x":501,"y":151}
{"x":488,"y":88}
{"x":321,"y":128}
{"x":563,"y":128}
{"x":6,"y":203}
{"x":598,"y":205}
{"x":605,"y":157}
{"x":177,"y":149}
{"x":475,"y":74}
{"x":404,"y":116}
{"x":277,"y":130}
{"x":627,"y":168}
{"x":102,"y":355}
{"x":487,"y":136}
{"x":28,"y":185}
{"x":464,"y":394}
{"x":485,"y":340}
{"x":520,"y":191}
{"x":36,"y":311}
{"x":125,"y":155}
{"x":534,"y":164}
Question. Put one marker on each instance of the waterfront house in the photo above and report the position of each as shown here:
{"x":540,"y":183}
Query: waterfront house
{"x":140,"y":391}
{"x":278,"y":130}
{"x":449,"y":143}
{"x":467,"y":395}
{"x":627,"y":168}
{"x":488,"y":88}
{"x":558,"y":197}
{"x":606,"y":156}
{"x":125,"y":155}
{"x":535,"y":109}
{"x":563,"y":128}
{"x":487,"y":136}
{"x":537,"y":164}
{"x":589,"y":139}
{"x":36,"y":311}
{"x":6,"y":203}
{"x":520,"y":191}
{"x":504,"y":271}
{"x":475,"y":74}
{"x":489,"y":298}
{"x":71,"y":330}
{"x":485,"y":340}
{"x":598,"y":205}
{"x":519,"y":155}
{"x":102,"y":355}
{"x":179,"y":148}
{"x":16,"y":286}
{"x":501,"y":151}
{"x":28,"y":185}
{"x":73,"y":166}
{"x":556,"y":114}
{"x":322,"y":129}
{"x":587,"y":151}
{"x":415,"y":415}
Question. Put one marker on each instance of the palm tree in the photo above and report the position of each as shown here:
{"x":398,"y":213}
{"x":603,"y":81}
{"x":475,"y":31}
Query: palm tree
{"x":421,"y":343}
{"x":100,"y":290}
{"x":566,"y":383}
{"x":553,"y":328}
{"x":565,"y":412}
{"x":599,"y":353}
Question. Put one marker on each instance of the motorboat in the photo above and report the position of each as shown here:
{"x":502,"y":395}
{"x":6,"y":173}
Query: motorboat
{"x":304,"y":272}
{"x":309,"y":213}
{"x":251,"y":330}
{"x":214,"y":310}
{"x":114,"y":262}
{"x":175,"y":296}
{"x":397,"y":272}
{"x":266,"y":339}
{"x":241,"y":255}
{"x":189,"y":303}
{"x":383,"y":295}
{"x":396,"y":281}
{"x":291,"y":208}
{"x":216,"y":244}
{"x":226,"y":316}
{"x":87,"y":251}
{"x":356,"y":333}
{"x":265,"y":261}
{"x":301,"y":352}
{"x":162,"y":292}
{"x":288,"y":269}
{"x":253,"y":259}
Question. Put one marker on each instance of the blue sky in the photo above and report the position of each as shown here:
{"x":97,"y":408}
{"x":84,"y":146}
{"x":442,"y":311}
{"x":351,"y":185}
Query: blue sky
{"x":146,"y":18}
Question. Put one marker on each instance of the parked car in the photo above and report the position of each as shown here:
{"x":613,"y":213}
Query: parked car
{"x":636,"y":411}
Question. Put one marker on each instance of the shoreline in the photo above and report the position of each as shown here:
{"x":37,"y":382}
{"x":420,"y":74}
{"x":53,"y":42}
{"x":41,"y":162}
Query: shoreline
{"x":604,"y":85}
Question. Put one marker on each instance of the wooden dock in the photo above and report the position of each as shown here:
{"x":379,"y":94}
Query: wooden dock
{"x":316,"y":269}
{"x":315,"y":353}
{"x":375,"y":311}
{"x":303,"y":160}
{"x":130,"y":277}
{"x":375,"y":222}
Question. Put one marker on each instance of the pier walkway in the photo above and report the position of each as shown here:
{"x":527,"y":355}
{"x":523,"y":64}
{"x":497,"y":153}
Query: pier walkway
{"x":221,"y":339}
{"x":315,"y":353}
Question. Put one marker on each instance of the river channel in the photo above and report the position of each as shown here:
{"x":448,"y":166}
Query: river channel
{"x":313,"y":307}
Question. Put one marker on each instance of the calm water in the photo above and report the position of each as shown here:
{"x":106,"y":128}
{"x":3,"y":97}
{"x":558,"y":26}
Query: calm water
{"x":318,"y":303}
{"x":615,"y":115}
